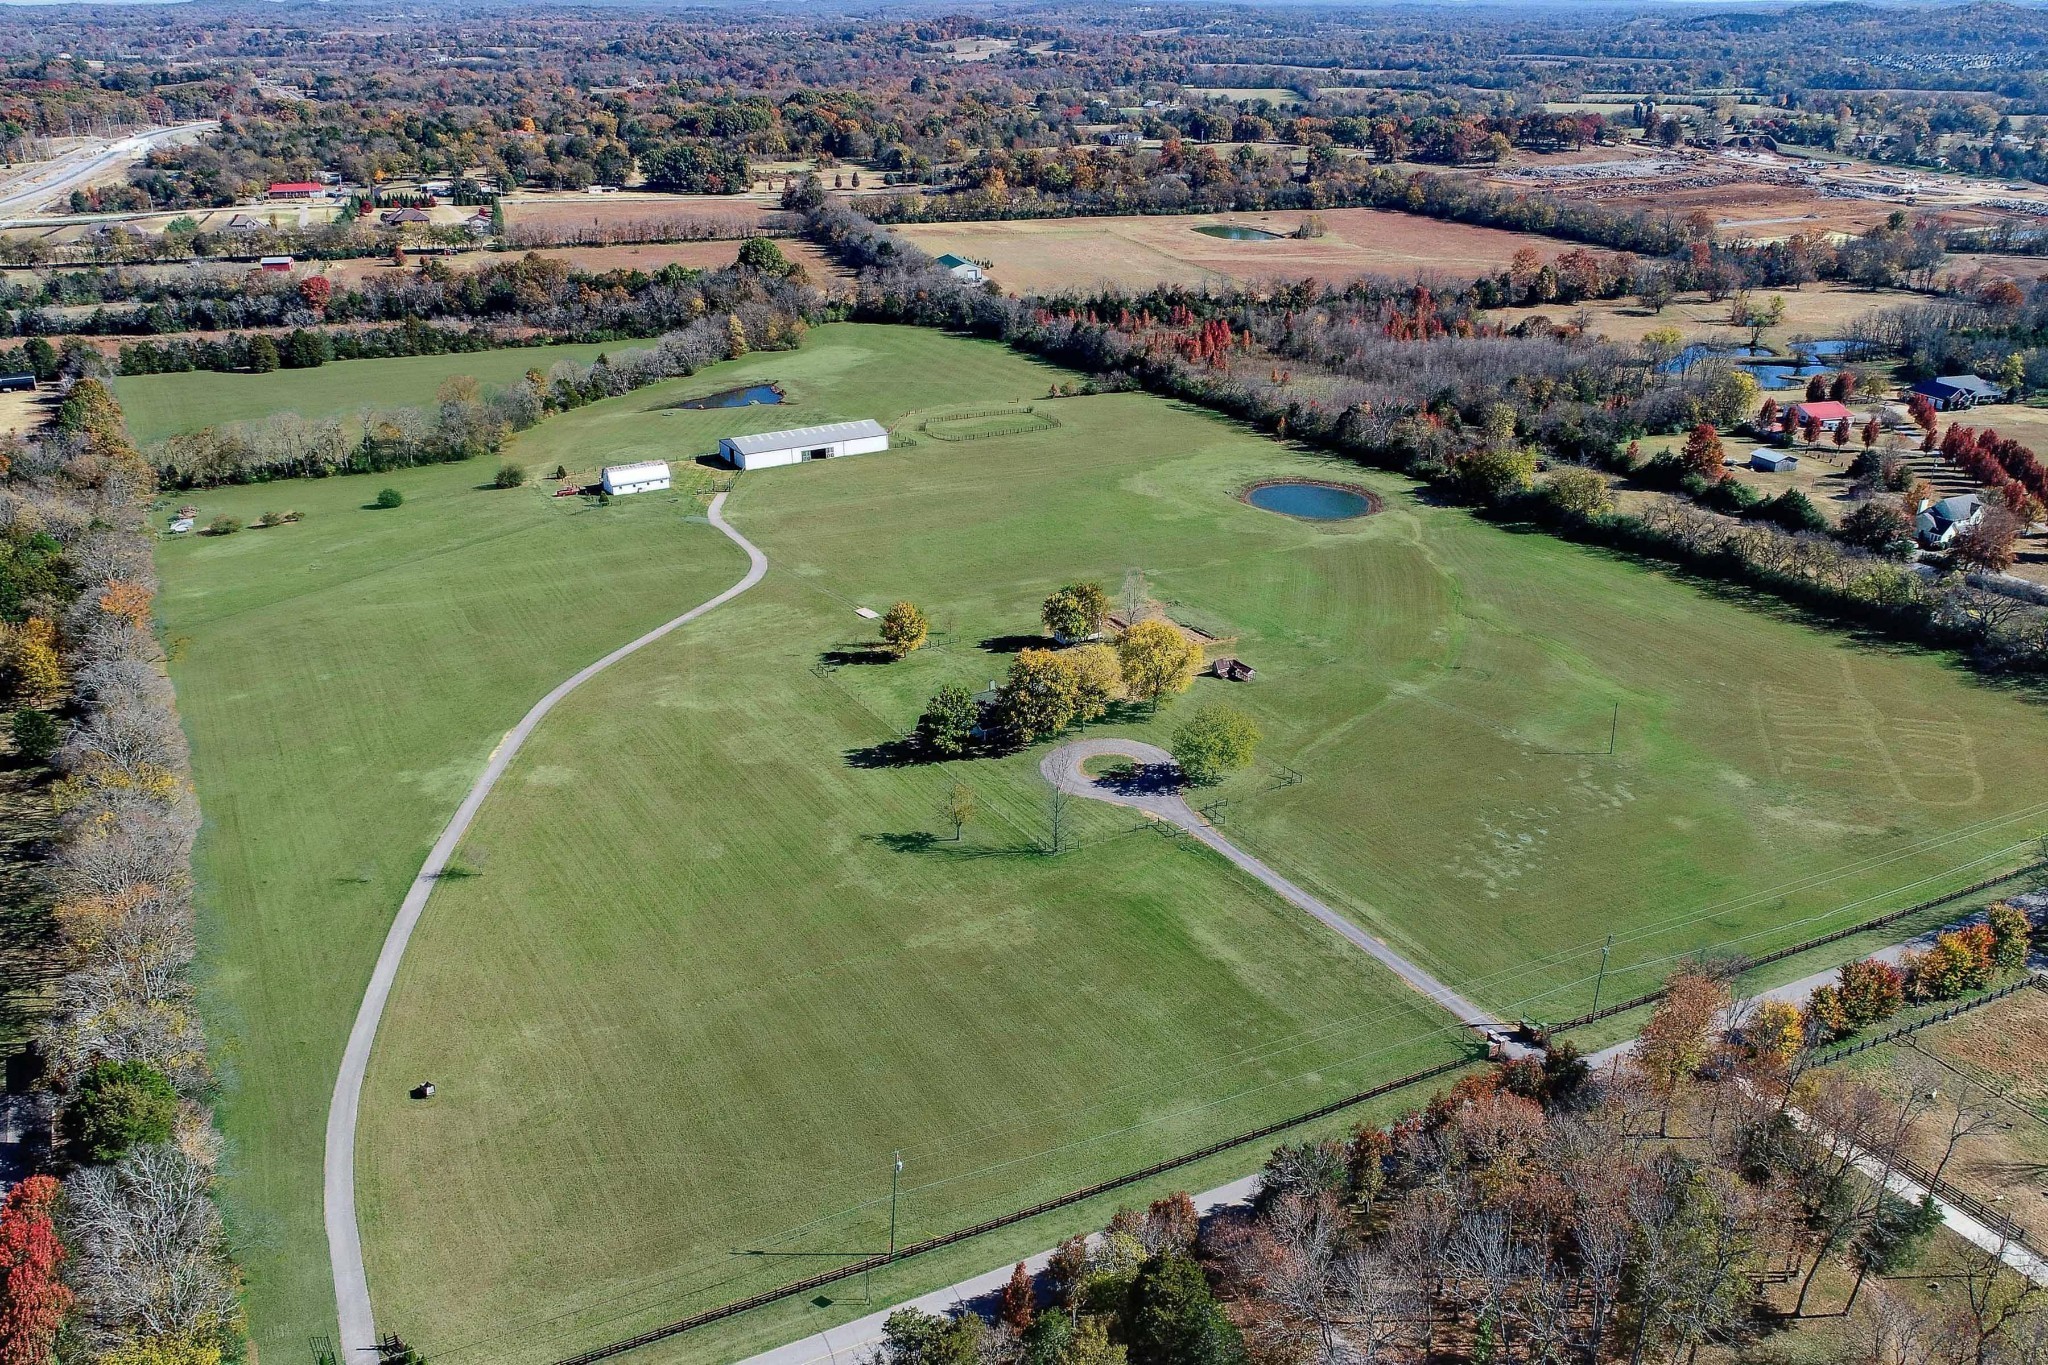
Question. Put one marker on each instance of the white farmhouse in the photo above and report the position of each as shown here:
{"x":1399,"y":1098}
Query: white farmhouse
{"x":771,"y":448}
{"x":645,"y":477}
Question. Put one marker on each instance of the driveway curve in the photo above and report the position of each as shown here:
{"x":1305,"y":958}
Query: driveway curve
{"x":344,"y":1237}
{"x":1155,"y":786}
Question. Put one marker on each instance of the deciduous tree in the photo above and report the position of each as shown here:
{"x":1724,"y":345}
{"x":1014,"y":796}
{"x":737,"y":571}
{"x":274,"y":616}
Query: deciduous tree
{"x":904,"y":629}
{"x":1157,"y":659}
{"x":1213,"y":741}
{"x":33,"y":1298}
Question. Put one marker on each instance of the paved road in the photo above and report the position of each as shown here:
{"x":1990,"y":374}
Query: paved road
{"x":344,"y":1238}
{"x":40,"y":183}
{"x":1156,"y":790}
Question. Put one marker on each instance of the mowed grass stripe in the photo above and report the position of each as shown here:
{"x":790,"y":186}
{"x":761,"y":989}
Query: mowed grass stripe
{"x":665,"y":1034}
{"x":342,"y":681}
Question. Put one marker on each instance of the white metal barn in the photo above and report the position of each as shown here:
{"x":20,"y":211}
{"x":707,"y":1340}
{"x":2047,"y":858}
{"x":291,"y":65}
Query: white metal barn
{"x":645,"y":477}
{"x":771,"y":448}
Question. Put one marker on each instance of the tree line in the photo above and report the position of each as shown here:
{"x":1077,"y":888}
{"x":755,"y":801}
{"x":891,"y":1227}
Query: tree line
{"x":127,"y":1260}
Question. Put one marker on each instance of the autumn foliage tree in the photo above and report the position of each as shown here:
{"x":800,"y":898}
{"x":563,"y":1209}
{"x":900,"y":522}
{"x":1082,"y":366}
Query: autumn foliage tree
{"x":1676,"y":1040}
{"x":904,"y":628}
{"x":1702,"y":452}
{"x":1020,"y":1300}
{"x":32,"y":1296}
{"x":1157,"y":659}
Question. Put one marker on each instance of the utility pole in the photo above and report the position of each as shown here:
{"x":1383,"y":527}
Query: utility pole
{"x":1601,"y":980}
{"x":895,"y":1176}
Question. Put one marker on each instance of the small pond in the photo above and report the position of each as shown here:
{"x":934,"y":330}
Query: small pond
{"x":1700,"y":352}
{"x":1233,"y":232}
{"x":747,"y":397}
{"x":1312,"y":501}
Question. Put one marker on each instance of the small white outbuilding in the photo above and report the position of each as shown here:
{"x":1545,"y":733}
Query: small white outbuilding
{"x":771,"y":448}
{"x":645,"y":477}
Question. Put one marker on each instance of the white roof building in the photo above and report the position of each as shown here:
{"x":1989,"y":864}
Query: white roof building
{"x":646,"y":477}
{"x":770,"y":448}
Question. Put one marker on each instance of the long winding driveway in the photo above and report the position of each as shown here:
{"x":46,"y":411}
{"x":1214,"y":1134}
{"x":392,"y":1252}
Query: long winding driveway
{"x":1154,"y":787}
{"x":344,"y":1238}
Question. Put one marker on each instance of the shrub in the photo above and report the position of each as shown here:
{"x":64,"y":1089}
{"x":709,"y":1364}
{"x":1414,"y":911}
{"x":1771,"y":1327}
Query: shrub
{"x":285,"y":518}
{"x":390,"y":497}
{"x":35,"y":734}
{"x":1579,"y":493}
{"x":2011,"y":932}
{"x":1825,"y":1017}
{"x":1871,"y":991}
{"x":1214,"y":741}
{"x":509,"y":475}
{"x":223,"y":525}
{"x":120,"y":1105}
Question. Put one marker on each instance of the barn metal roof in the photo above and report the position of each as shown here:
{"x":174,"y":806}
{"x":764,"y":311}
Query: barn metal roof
{"x":635,"y":473}
{"x":806,"y":436}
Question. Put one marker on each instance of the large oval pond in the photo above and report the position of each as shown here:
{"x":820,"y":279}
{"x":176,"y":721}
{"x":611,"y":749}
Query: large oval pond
{"x":1312,"y":501}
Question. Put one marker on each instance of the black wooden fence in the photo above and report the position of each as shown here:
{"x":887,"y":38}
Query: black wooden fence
{"x":946,"y":1239}
{"x":1808,"y":945}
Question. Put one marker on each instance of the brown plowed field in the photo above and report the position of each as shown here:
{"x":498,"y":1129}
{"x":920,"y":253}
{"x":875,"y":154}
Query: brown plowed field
{"x":1072,"y":253}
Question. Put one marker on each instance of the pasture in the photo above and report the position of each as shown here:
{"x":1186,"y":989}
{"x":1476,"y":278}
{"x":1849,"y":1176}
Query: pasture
{"x":342,"y":680}
{"x":161,"y":405}
{"x":792,"y":970}
{"x":1049,"y":255}
{"x":720,"y":955}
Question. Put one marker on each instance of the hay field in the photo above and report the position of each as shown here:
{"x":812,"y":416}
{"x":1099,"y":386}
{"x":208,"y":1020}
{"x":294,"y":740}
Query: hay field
{"x":791,"y":968}
{"x":1139,"y":252}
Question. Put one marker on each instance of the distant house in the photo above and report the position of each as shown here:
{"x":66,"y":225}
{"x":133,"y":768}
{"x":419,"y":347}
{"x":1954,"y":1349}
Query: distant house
{"x":1940,"y":522}
{"x":478,"y":224}
{"x":1954,"y":392}
{"x":242,"y":222}
{"x":17,"y":383}
{"x":402,"y":217}
{"x":648,"y":476}
{"x":1233,"y":670}
{"x":1773,"y":461}
{"x":279,"y":263}
{"x":1828,"y":414}
{"x":295,"y":189}
{"x":962,"y":269}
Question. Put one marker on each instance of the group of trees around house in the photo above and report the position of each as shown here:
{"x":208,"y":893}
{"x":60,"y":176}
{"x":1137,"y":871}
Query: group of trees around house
{"x":1687,"y":1200}
{"x":129,"y":1260}
{"x":1049,"y":690}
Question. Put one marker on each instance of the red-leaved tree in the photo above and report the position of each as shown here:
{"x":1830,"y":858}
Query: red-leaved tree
{"x":32,"y":1299}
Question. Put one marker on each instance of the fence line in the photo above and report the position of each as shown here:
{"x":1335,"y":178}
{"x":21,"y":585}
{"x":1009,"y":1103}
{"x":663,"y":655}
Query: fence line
{"x":1845,"y":1050}
{"x":1821,"y":941}
{"x":945,"y":1239}
{"x":870,"y":1263}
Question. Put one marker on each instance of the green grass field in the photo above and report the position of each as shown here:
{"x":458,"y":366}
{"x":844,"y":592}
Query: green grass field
{"x":717,"y":965}
{"x":160,"y":405}
{"x":342,"y":680}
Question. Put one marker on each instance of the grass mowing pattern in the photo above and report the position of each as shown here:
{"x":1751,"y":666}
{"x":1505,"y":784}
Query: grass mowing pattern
{"x":710,"y":973}
{"x":160,"y":405}
{"x":342,"y":681}
{"x":792,"y":971}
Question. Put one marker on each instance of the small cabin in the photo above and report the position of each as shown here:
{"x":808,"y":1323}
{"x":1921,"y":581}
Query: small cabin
{"x":1233,"y":670}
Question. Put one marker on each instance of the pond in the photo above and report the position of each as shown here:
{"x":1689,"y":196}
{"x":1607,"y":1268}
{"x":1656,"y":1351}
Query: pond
{"x":1233,"y":232}
{"x":1700,"y":352}
{"x":747,"y":397}
{"x":1312,"y":501}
